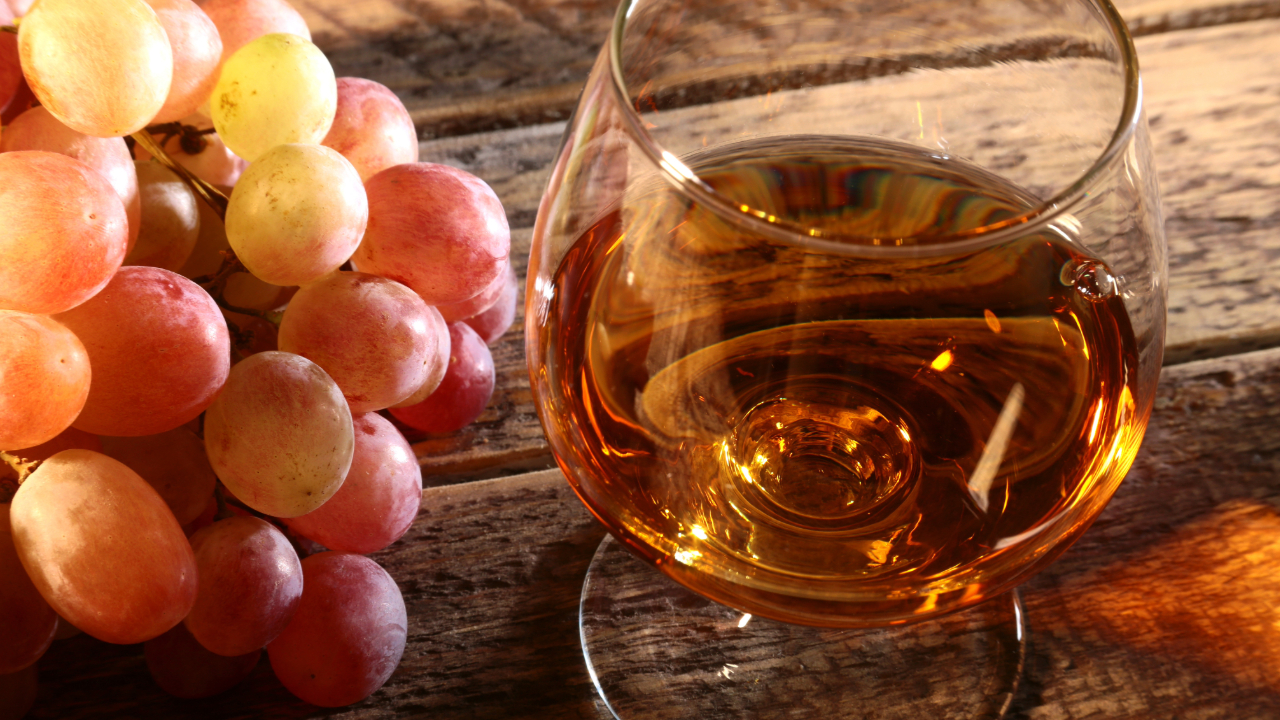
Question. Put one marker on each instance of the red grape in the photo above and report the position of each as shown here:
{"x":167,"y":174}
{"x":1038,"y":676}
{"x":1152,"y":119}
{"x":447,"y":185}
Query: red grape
{"x":56,"y":255}
{"x":159,"y":349}
{"x":439,"y":363}
{"x":379,"y":499}
{"x":103,"y":548}
{"x":174,"y":463}
{"x":250,"y":583}
{"x":464,"y":392}
{"x":241,"y":21}
{"x":10,"y":67}
{"x":45,"y":375}
{"x":372,"y":129}
{"x":185,"y":669}
{"x":493,"y":322}
{"x":348,"y":634}
{"x":170,"y":219}
{"x":69,"y":439}
{"x":197,"y":53}
{"x":37,"y":129}
{"x":437,"y":229}
{"x":28,"y":620}
{"x":372,"y":335}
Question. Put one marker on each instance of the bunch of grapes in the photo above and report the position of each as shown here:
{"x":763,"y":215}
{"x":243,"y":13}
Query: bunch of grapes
{"x":206,"y":331}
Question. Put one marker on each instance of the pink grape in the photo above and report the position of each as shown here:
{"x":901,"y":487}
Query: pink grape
{"x":197,"y":53}
{"x":439,"y":362}
{"x":372,"y":128}
{"x":296,"y":214}
{"x":348,"y":634}
{"x":211,"y":243}
{"x":29,"y":621}
{"x":119,"y":569}
{"x":478,"y":303}
{"x":159,"y":351}
{"x":44,"y":379}
{"x":21,"y":101}
{"x":292,"y":402}
{"x":492,"y":323}
{"x":185,"y":669}
{"x":437,"y":229}
{"x":103,"y":67}
{"x":372,"y":335}
{"x":18,"y":692}
{"x":174,"y":463}
{"x":239,"y":22}
{"x":463,"y":394}
{"x":250,"y":585}
{"x":170,"y":219}
{"x":379,"y":499}
{"x":56,"y":255}
{"x":37,"y":129}
{"x":10,"y":67}
{"x":204,"y":519}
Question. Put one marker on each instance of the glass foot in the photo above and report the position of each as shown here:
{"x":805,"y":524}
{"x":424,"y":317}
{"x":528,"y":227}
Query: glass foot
{"x":656,"y":651}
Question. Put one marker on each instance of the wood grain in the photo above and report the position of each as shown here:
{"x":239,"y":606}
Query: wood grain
{"x":1165,"y":608}
{"x":466,"y":66}
{"x":1213,"y":97}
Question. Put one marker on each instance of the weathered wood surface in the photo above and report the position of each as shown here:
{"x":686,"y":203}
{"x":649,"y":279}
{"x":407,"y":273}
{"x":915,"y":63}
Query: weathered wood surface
{"x":1213,"y":96}
{"x":1165,"y":608}
{"x":463,"y":66}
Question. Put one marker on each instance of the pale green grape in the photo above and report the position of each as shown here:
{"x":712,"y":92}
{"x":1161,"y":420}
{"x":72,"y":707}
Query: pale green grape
{"x":102,"y":67}
{"x":297,"y":214}
{"x":279,"y":434}
{"x":277,"y":89}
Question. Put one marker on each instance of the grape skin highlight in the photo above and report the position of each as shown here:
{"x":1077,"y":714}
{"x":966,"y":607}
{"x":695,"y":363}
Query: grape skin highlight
{"x":102,"y":67}
{"x":439,"y":230}
{"x":278,"y":89}
{"x":348,"y":634}
{"x":54,"y":256}
{"x":44,"y":379}
{"x":297,"y":214}
{"x":159,"y":350}
{"x":379,"y":499}
{"x":292,"y":402}
{"x":120,"y":570}
{"x":250,"y":585}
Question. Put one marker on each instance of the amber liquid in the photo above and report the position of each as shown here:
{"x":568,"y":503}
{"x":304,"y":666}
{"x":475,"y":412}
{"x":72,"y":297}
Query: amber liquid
{"x":828,"y":435}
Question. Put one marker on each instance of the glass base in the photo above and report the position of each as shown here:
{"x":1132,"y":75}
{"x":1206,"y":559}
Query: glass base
{"x":656,"y":650}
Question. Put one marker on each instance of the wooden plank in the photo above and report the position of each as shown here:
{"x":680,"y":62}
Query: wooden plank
{"x":1213,"y":97}
{"x":465,"y":66}
{"x":1165,"y":608}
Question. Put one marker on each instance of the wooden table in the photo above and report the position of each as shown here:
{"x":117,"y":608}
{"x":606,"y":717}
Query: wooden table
{"x":1169,"y":607}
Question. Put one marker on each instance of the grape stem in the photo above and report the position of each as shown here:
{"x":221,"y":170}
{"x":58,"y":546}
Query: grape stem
{"x":9,"y":29}
{"x":206,"y":192}
{"x":22,"y":467}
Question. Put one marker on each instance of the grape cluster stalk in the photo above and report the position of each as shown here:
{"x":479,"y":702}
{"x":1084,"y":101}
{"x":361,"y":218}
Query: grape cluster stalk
{"x":210,"y":344}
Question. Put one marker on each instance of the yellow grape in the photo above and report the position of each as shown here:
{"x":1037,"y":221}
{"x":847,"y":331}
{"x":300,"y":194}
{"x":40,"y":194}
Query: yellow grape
{"x":277,"y":89}
{"x":102,"y":67}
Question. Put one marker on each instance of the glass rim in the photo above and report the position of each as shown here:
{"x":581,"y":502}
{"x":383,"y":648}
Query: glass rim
{"x":1033,"y":219}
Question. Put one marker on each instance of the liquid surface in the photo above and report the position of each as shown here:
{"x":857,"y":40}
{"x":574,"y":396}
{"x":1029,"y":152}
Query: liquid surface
{"x":836,"y":438}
